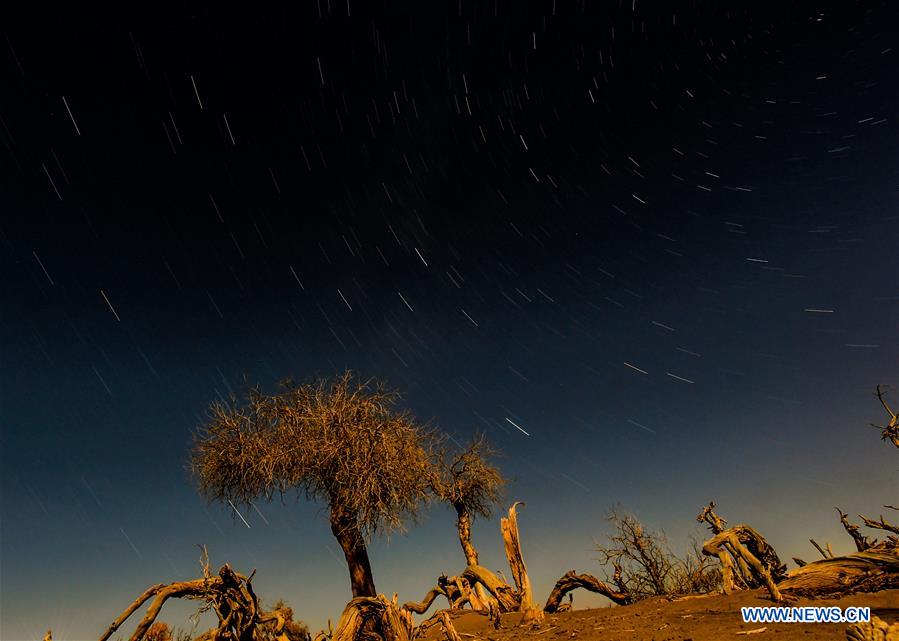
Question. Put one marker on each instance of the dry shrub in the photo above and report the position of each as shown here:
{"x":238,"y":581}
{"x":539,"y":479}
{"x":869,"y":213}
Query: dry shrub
{"x":293,"y":630}
{"x":159,"y":631}
{"x":644,"y":566}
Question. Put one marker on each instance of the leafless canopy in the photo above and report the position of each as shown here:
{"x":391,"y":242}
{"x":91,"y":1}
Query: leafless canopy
{"x":342,"y":441}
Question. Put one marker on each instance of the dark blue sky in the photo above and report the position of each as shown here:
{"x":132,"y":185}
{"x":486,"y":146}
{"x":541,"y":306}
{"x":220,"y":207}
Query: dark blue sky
{"x":662,"y":244}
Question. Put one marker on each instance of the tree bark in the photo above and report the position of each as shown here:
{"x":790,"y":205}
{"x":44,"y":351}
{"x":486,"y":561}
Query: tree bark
{"x":480,"y":599}
{"x":571,"y":581}
{"x":345,"y":528}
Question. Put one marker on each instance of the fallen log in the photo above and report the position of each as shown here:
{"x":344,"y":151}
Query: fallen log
{"x":876,"y":568}
{"x":571,"y":581}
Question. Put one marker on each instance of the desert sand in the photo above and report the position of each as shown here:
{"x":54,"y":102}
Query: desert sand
{"x":703,"y":618}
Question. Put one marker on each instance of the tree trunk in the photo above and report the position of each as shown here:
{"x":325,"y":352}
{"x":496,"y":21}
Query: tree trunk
{"x":512,"y":540}
{"x":480,"y":599}
{"x":463,"y":524}
{"x":345,"y":528}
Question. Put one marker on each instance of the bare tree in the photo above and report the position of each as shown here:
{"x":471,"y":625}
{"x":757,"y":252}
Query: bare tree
{"x":341,"y":441}
{"x":641,"y":559}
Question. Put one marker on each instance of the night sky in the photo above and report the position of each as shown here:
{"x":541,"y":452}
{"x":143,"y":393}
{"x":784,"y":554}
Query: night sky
{"x":651,"y":252}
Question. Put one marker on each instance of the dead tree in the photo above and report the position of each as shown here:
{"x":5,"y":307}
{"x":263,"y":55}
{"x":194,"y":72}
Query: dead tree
{"x":747,"y":559}
{"x":874,"y":566}
{"x":339,"y":441}
{"x":230,"y":595}
{"x":504,"y":597}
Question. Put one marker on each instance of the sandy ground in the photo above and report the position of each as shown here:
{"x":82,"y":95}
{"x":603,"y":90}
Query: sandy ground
{"x":696,"y":619}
